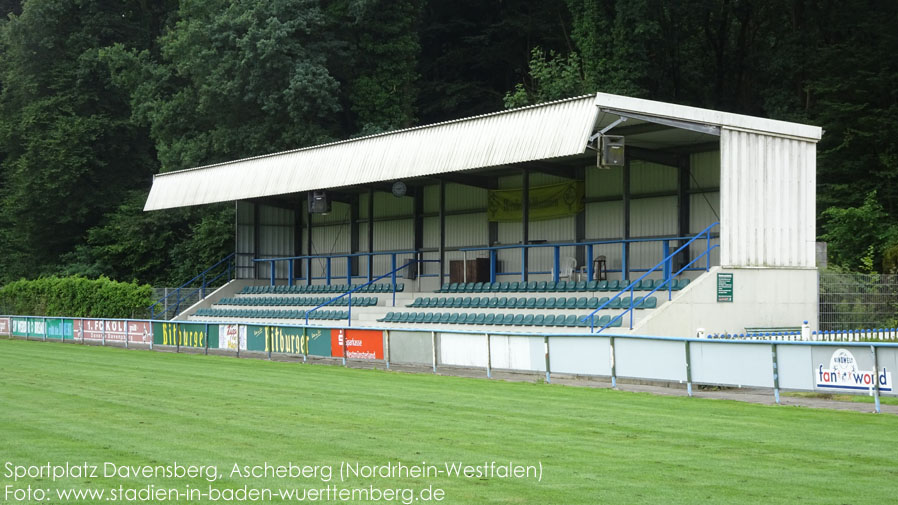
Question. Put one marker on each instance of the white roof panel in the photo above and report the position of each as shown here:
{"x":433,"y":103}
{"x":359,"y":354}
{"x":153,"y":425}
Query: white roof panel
{"x":538,"y":132}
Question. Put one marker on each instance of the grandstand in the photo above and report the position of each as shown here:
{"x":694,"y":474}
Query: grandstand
{"x":596,"y":213}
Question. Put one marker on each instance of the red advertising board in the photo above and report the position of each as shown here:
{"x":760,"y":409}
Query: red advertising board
{"x":4,"y":326}
{"x":93,"y":329}
{"x":360,"y":344}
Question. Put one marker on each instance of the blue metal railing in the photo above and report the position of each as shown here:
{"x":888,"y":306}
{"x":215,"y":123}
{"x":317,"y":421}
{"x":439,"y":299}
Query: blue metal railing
{"x":663,"y":264}
{"x":590,"y":265}
{"x":206,"y":278}
{"x":328,"y":259}
{"x":349,"y":293}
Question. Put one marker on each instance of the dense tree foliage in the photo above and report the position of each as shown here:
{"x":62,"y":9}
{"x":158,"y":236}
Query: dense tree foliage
{"x":97,"y":96}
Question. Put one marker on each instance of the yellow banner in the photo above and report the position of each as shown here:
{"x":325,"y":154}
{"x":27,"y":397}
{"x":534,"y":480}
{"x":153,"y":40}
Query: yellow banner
{"x":546,"y":202}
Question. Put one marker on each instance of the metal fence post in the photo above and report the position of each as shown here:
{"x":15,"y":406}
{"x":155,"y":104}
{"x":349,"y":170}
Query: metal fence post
{"x":548,"y":368}
{"x":238,"y":340}
{"x":345,"y":334}
{"x":268,"y":341}
{"x":489,"y":358}
{"x":433,"y":344}
{"x":688,"y":370}
{"x":45,"y":329}
{"x":875,"y":378}
{"x":206,"y":338}
{"x":127,"y":334}
{"x":81,"y":330}
{"x":776,"y":374}
{"x":177,"y":337}
{"x":305,"y":339}
{"x":104,"y":332}
{"x":387,"y":348}
{"x":613,"y":369}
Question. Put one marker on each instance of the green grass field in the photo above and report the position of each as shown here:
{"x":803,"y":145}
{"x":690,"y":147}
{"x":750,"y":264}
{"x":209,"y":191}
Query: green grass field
{"x":71,"y":403}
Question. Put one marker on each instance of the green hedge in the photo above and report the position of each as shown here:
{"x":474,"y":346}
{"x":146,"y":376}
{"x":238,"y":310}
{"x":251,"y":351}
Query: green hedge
{"x":75,"y":297}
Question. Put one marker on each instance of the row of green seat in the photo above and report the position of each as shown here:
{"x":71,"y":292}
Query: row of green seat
{"x":573,"y":302}
{"x":321,"y":288}
{"x":273,"y":314}
{"x":560,"y":286}
{"x":571,"y":321}
{"x":284,"y":301}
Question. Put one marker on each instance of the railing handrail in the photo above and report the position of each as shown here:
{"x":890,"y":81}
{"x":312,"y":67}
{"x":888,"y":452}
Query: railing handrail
{"x":360,"y":286}
{"x":705,"y":232}
{"x":346,"y":255}
{"x":572,"y":244}
{"x":177,"y":291}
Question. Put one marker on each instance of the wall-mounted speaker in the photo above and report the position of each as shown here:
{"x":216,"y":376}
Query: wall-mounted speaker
{"x":319,"y":202}
{"x":612,"y":151}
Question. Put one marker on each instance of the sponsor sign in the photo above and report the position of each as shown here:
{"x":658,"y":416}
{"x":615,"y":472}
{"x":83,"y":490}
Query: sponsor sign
{"x":22,"y":327}
{"x":231,"y":337}
{"x":276,"y":339}
{"x":724,"y":287}
{"x":360,"y":344}
{"x":843,"y":373}
{"x":185,"y":334}
{"x":5,"y":327}
{"x":62,"y":329}
{"x":115,"y":331}
{"x":319,"y":341}
{"x":546,"y":202}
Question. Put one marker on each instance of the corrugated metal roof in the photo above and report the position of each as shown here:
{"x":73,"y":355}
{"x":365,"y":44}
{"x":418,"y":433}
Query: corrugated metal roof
{"x":538,"y":132}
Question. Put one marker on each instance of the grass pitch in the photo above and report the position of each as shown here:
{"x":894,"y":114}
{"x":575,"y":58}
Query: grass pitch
{"x":78,"y":404}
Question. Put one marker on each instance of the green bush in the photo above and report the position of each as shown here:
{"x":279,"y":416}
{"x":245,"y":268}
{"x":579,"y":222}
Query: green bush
{"x":75,"y":297}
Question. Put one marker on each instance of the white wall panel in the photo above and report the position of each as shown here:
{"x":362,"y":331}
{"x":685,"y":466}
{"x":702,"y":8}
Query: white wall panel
{"x":466,"y":230}
{"x":704,"y":210}
{"x":603,"y":220}
{"x":245,"y":243}
{"x":518,"y":353}
{"x":705,"y":168}
{"x":648,"y":177}
{"x":582,"y":356}
{"x":768,"y":188}
{"x":747,"y":365}
{"x":653,"y":217}
{"x":462,"y":350}
{"x":603,"y":182}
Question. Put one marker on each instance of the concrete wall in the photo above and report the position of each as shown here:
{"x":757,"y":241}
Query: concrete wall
{"x":761,"y":298}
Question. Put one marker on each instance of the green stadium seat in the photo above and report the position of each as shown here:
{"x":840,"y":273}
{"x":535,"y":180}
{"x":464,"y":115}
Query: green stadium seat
{"x":466,"y":302}
{"x":582,"y":302}
{"x":419,"y":302}
{"x":682,"y":283}
{"x":528,"y":320}
{"x":602,"y":321}
{"x":549,"y":320}
{"x":480,"y":318}
{"x":581,"y":286}
{"x":453,"y":319}
{"x":509,"y":320}
{"x":504,"y":287}
{"x":444,"y":317}
{"x":560,"y":286}
{"x":471,"y":318}
{"x":469,"y":287}
{"x":541,"y":286}
{"x":617,"y":323}
{"x":444,"y":288}
{"x":514,"y":287}
{"x":478,"y":287}
{"x":602,"y":286}
{"x":592,"y":286}
{"x":419,"y":317}
{"x":453,"y":288}
{"x":494,"y":302}
{"x":532,"y":286}
{"x":490,"y":319}
{"x":551,"y":285}
{"x":615,"y":304}
{"x":531,"y":303}
{"x":538,"y":320}
{"x":503,"y":302}
{"x":593,"y":303}
{"x":615,"y":285}
{"x":570,"y":303}
{"x":484,"y":302}
{"x":512,"y":302}
{"x":518,"y":320}
{"x":403,"y":317}
{"x":551,"y":302}
{"x":540,"y":303}
{"x":571,"y":321}
{"x":388,"y":318}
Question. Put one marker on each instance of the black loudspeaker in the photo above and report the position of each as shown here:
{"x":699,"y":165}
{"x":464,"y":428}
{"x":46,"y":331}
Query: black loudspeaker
{"x":612,"y":154}
{"x":318,"y":202}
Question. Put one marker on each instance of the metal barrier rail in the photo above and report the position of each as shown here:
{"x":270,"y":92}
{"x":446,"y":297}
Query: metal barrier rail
{"x":328,"y":264}
{"x":764,"y":363}
{"x":556,"y":258}
{"x":663,"y":264}
{"x":228,"y":261}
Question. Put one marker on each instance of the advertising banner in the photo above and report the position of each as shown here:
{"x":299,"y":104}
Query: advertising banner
{"x":31,"y":327}
{"x":276,"y":339}
{"x":61,"y":329}
{"x":546,"y":202}
{"x":360,"y":344}
{"x":847,"y":370}
{"x":115,"y":331}
{"x":231,"y":337}
{"x":319,"y":341}
{"x":5,"y":327}
{"x":185,"y":334}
